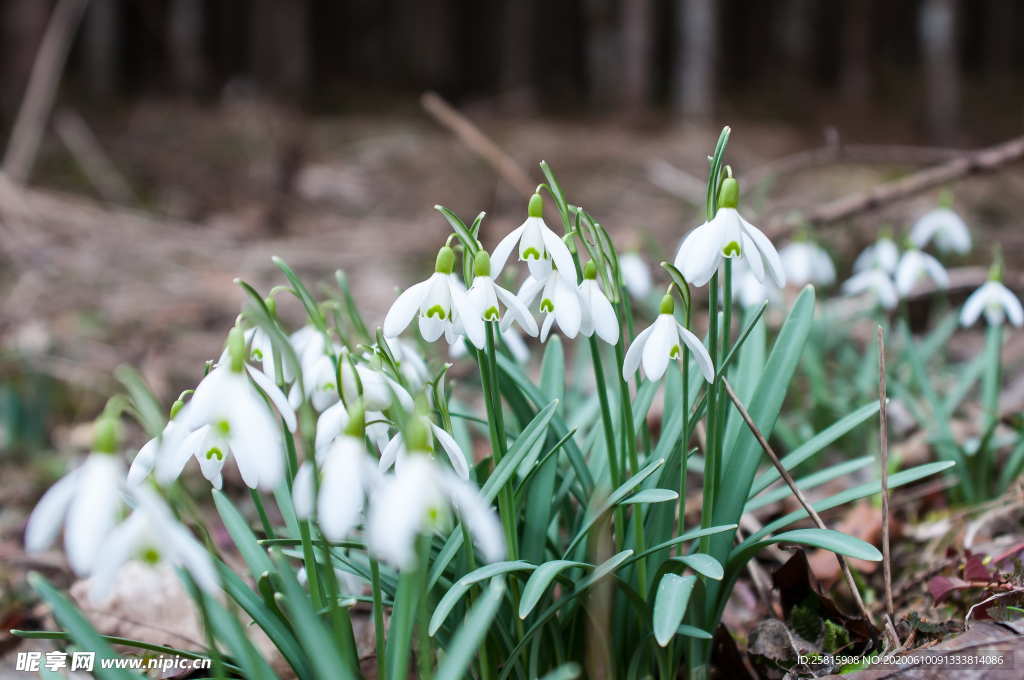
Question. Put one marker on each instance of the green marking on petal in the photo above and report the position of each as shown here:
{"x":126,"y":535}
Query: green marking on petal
{"x":546,"y":305}
{"x":329,"y":387}
{"x":438,"y":311}
{"x":257,"y":355}
{"x":731,"y":248}
{"x":674,"y":352}
{"x":531,"y":252}
{"x":215,"y":452}
{"x":491,"y":314}
{"x":150,"y":556}
{"x":223,"y":426}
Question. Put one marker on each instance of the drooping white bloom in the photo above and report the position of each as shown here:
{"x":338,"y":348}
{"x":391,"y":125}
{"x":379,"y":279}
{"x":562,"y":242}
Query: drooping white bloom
{"x":485,"y":294}
{"x":441,"y":304}
{"x":346,"y":474}
{"x":748,"y":291}
{"x":379,"y":390}
{"x":227,"y":415}
{"x":660,"y":343}
{"x":946,"y":228}
{"x":559,"y":301}
{"x":538,"y":244}
{"x":416,"y":500}
{"x":395,"y":453}
{"x":997,"y":302}
{"x":410,"y":362}
{"x":882,"y":254}
{"x":875,"y":281}
{"x":728,"y":235}
{"x":915,"y":265}
{"x":85,"y":503}
{"x":598,"y":316}
{"x":806,"y":262}
{"x":151,"y":535}
{"x":635,"y":275}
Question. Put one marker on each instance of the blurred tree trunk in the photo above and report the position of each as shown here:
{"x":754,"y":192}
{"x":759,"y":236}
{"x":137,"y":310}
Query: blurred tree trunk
{"x":696,"y":57}
{"x":517,"y":45}
{"x":101,"y":46}
{"x":185,"y":27}
{"x":22,"y":23}
{"x":279,"y":45}
{"x":941,"y":69}
{"x":603,"y":54}
{"x":431,"y":54}
{"x":637,"y":36}
{"x":855,"y":78}
{"x":1000,"y":36}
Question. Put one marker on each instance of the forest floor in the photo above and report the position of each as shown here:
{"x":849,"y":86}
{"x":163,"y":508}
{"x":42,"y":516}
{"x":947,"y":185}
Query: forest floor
{"x":87,"y":286}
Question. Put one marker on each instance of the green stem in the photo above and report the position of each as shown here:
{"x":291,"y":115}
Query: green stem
{"x":710,"y":453}
{"x":268,"y":528}
{"x":629,"y":433}
{"x":495,"y":426}
{"x":609,"y":433}
{"x":990,"y":402}
{"x":378,"y":610}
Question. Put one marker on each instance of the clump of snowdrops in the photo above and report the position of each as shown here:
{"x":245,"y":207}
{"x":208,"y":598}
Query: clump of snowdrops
{"x":564,"y":542}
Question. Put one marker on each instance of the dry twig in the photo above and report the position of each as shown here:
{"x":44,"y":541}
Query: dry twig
{"x":883,"y":440}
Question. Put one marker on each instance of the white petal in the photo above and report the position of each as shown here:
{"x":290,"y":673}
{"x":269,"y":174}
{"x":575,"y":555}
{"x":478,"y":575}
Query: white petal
{"x":503,"y":250}
{"x":389,"y":456}
{"x":559,"y":253}
{"x":631,"y":362}
{"x":752,"y":257}
{"x":657,"y":352}
{"x":187,"y":552}
{"x":567,"y":308}
{"x":404,"y":399}
{"x":603,"y":317}
{"x":404,"y":309}
{"x":700,"y":254}
{"x":143,"y":462}
{"x":545,"y":328}
{"x":303,"y":491}
{"x":257,"y":445}
{"x":455,"y":455}
{"x":479,"y":517}
{"x":518,"y":310}
{"x":699,"y":352}
{"x":175,"y":452}
{"x":471,"y":316}
{"x":516,"y":345}
{"x":48,"y":516}
{"x":635,"y":275}
{"x":1012,"y":305}
{"x":974,"y":305}
{"x":768,"y":252}
{"x":276,"y":397}
{"x":330,"y":424}
{"x":341,"y":493}
{"x":123,"y":542}
{"x":93,"y":511}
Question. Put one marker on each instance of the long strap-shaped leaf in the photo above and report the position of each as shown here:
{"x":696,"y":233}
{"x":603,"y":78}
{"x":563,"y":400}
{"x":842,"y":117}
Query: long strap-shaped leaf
{"x":460,"y":652}
{"x":460,"y":587}
{"x":670,"y":605}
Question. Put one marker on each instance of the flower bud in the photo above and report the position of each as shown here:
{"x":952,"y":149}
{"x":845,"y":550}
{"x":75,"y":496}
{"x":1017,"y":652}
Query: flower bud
{"x":482,"y":264}
{"x":668,"y":305}
{"x":536,"y":208}
{"x":356,"y":425}
{"x":106,"y":436}
{"x":445,"y":262}
{"x":590,"y":271}
{"x":729,"y":196}
{"x":417,"y":434}
{"x":995,"y":271}
{"x":236,"y":349}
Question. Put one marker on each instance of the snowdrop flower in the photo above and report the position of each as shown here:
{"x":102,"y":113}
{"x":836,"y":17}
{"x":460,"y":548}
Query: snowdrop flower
{"x":395,"y":453}
{"x":379,"y":390}
{"x":228,"y":415}
{"x":875,"y":281}
{"x":441,"y":304}
{"x":748,"y":291}
{"x":485,"y":294}
{"x":994,"y":299}
{"x":346,"y":473}
{"x":417,"y":500}
{"x":85,"y":503}
{"x":513,"y":340}
{"x":806,"y":262}
{"x":946,"y":228}
{"x":598,"y":315}
{"x":882,"y":254}
{"x":559,"y":300}
{"x":635,"y":275}
{"x":728,"y":235}
{"x":410,"y":362}
{"x":172,"y":435}
{"x":538,"y":245}
{"x":151,"y":535}
{"x":915,"y":265}
{"x":660,"y":342}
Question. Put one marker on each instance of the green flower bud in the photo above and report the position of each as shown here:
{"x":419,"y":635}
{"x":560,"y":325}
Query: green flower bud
{"x":536,"y":208}
{"x":590,"y":271}
{"x":236,"y":349}
{"x":668,"y":305}
{"x":729,"y":196}
{"x":106,"y":436}
{"x":271,"y":304}
{"x":356,"y":419}
{"x":417,"y":434}
{"x":995,"y":272}
{"x":176,"y":407}
{"x":482,"y":264}
{"x":445,"y":263}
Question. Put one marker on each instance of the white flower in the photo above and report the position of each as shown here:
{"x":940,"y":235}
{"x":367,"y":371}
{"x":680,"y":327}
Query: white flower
{"x":948,"y":230}
{"x":379,"y":390}
{"x":228,"y":415}
{"x":346,"y":473}
{"x":882,"y":254}
{"x":598,"y":316}
{"x":416,"y":500}
{"x":485,"y":294}
{"x":748,"y":291}
{"x":538,"y":245}
{"x":410,"y":363}
{"x":915,"y":265}
{"x":151,"y":535}
{"x":86,"y":503}
{"x":660,"y":342}
{"x":875,"y":281}
{"x":441,"y":304}
{"x":395,"y":453}
{"x":806,"y":262}
{"x":559,"y":301}
{"x":513,"y":339}
{"x":996,"y":301}
{"x":635,"y":275}
{"x":728,"y":235}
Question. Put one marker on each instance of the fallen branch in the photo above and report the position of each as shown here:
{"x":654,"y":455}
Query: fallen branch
{"x":470,"y":135}
{"x":95,"y":163}
{"x":883,"y":443}
{"x":970,"y":163}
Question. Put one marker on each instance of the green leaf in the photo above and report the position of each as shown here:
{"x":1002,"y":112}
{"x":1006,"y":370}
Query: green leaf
{"x":694,"y":632}
{"x":459,"y":227}
{"x":567,"y":671}
{"x":150,"y":412}
{"x":829,"y":539}
{"x":80,"y":630}
{"x":810,"y":481}
{"x":312,"y":308}
{"x":460,"y":587}
{"x":228,"y":630}
{"x":245,"y":540}
{"x":670,"y":605}
{"x":651,"y":496}
{"x":539,"y":581}
{"x":462,"y":649}
{"x":703,"y":564}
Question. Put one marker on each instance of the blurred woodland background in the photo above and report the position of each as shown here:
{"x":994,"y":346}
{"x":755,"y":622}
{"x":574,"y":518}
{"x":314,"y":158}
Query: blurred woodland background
{"x":156,"y":149}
